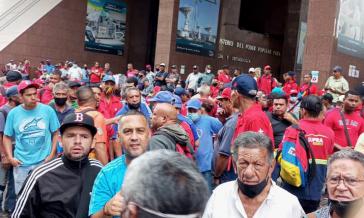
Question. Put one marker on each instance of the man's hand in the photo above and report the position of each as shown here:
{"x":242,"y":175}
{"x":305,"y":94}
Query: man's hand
{"x":115,"y":206}
{"x":288,"y":116}
{"x":5,"y":162}
{"x":14,"y":162}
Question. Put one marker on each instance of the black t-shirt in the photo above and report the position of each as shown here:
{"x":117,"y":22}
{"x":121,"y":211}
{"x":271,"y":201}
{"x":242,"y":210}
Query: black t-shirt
{"x":279,"y":126}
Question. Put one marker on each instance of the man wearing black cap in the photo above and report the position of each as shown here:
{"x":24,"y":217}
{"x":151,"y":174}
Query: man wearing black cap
{"x":62,"y":187}
{"x":321,"y":141}
{"x":336,"y":84}
{"x":13,"y":78}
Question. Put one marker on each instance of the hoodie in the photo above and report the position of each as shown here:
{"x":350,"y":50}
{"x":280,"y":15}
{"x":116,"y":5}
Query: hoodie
{"x":166,"y":137}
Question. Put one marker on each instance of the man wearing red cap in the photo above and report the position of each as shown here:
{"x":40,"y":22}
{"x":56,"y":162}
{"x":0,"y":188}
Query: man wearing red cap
{"x":267,"y":82}
{"x":34,"y":127}
{"x":290,"y":83}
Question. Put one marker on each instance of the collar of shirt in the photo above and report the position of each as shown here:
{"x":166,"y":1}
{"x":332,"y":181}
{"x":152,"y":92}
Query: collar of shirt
{"x":239,"y":204}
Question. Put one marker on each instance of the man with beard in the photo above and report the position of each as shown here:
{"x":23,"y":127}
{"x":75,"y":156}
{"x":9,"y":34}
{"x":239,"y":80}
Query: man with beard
{"x":134,"y":136}
{"x":61,"y":188}
{"x":280,"y":118}
{"x":6,"y":171}
{"x":109,"y":104}
{"x":346,"y":134}
{"x":60,"y":106}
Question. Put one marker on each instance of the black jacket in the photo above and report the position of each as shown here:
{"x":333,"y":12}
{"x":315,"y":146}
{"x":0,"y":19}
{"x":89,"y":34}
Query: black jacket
{"x":59,"y":188}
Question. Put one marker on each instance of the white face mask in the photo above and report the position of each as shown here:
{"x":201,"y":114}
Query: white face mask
{"x":208,"y":71}
{"x":293,"y":99}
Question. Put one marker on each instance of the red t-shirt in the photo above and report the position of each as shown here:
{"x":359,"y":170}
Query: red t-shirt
{"x":320,"y":138}
{"x":305,"y":90}
{"x":254,"y":119}
{"x":184,"y":109}
{"x":222,"y":77}
{"x":291,"y":85}
{"x":45,"y":95}
{"x":93,"y":77}
{"x":109,"y":109}
{"x":354,"y":123}
{"x":266,"y":83}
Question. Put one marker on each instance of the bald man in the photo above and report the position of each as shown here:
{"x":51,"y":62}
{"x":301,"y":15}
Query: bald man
{"x":167,"y":132}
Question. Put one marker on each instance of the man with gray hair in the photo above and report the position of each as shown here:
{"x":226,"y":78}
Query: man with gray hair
{"x":254,"y":193}
{"x":60,"y":105}
{"x":164,"y":183}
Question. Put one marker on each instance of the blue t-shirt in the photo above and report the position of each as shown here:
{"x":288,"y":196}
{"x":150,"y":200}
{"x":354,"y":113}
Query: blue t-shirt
{"x":33,"y":131}
{"x":206,"y":127}
{"x":182,"y":118}
{"x":107,"y":183}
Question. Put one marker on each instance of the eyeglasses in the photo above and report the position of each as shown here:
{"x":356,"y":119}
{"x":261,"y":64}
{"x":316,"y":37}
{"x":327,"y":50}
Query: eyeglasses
{"x":351,"y":182}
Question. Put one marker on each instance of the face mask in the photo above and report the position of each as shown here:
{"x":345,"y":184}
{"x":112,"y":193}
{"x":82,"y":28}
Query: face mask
{"x":252,"y":190}
{"x":345,"y":208}
{"x":208,"y":71}
{"x":60,"y":101}
{"x":214,"y":84}
{"x":134,"y":106}
{"x":293,"y":99}
{"x":109,"y":90}
{"x":193,"y":116}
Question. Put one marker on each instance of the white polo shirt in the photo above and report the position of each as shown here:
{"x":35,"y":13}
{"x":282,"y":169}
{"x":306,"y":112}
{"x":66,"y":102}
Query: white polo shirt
{"x":225,"y":202}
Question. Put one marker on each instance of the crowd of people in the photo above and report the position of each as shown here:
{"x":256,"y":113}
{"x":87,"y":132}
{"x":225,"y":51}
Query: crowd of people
{"x":90,"y":142}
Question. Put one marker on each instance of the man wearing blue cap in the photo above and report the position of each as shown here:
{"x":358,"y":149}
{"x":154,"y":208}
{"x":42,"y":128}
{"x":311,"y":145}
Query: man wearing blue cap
{"x":6,"y":170}
{"x":251,"y":117}
{"x":207,"y":126}
{"x":109,"y":105}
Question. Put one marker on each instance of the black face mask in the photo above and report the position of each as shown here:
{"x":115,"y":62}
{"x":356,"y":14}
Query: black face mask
{"x":345,"y":209}
{"x":60,"y":101}
{"x":252,"y":190}
{"x":134,"y":106}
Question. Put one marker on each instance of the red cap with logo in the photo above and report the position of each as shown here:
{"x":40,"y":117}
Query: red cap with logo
{"x":26,"y":84}
{"x":226,"y":93}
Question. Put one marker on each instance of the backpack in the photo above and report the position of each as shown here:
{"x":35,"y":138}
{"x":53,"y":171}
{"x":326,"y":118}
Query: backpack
{"x":294,"y":158}
{"x":186,"y":149}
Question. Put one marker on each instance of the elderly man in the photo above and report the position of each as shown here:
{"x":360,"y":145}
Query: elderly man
{"x":253,"y":194}
{"x":61,"y":187}
{"x":345,"y":198}
{"x":60,"y":106}
{"x":184,"y":190}
{"x":134,"y":136}
{"x":336,"y":84}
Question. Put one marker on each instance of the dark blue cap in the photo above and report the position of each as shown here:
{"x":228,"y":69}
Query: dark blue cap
{"x":291,"y":73}
{"x":338,"y":69}
{"x":12,"y":91}
{"x":245,"y":85}
{"x":163,"y":97}
{"x":108,"y":78}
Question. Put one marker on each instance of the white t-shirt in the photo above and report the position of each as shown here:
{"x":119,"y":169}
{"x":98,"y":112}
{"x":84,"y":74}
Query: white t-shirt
{"x":192,"y":80}
{"x":75,"y":73}
{"x":225,"y":202}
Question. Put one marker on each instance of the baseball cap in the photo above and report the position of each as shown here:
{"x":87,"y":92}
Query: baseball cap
{"x":278,"y":91}
{"x":291,"y":73}
{"x":108,"y":78}
{"x":267,"y":67}
{"x":26,"y":84}
{"x":225,"y":94}
{"x":311,"y":103}
{"x":194,"y":67}
{"x":73,"y":84}
{"x":78,"y":119}
{"x":177,"y":101}
{"x":13,"y":76}
{"x":180,"y":91}
{"x":174,"y":66}
{"x":252,"y":69}
{"x":12,"y":91}
{"x":194,"y":103}
{"x":162,"y":64}
{"x":293,"y":91}
{"x":337,"y":69}
{"x":163,"y":97}
{"x":245,"y":85}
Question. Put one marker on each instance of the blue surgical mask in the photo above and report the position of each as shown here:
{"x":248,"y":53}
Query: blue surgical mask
{"x":193,"y":116}
{"x":293,"y":99}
